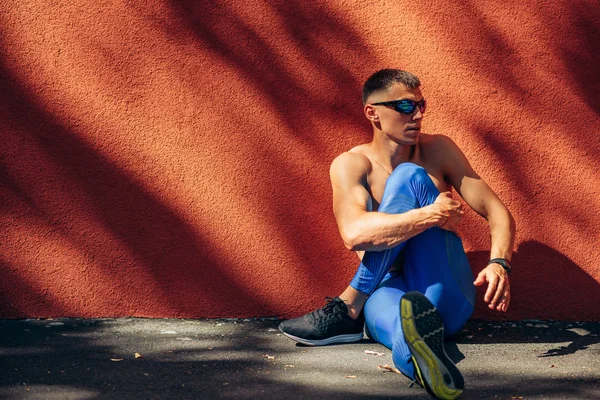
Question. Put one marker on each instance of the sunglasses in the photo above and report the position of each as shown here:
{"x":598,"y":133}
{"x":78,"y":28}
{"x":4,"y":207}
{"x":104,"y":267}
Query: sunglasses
{"x":404,"y":106}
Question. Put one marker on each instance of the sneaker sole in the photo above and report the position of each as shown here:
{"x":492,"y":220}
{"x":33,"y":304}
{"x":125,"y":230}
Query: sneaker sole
{"x":349,"y":338}
{"x":432,"y":364}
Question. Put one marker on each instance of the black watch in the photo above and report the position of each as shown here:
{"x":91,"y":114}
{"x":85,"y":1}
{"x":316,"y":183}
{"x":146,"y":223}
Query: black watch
{"x":503,"y":262}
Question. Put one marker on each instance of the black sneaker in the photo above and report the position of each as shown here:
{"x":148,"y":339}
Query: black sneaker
{"x":327,"y":325}
{"x":424,"y":333}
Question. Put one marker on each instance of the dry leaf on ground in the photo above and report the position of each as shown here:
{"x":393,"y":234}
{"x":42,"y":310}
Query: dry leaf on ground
{"x":375,"y":353}
{"x":138,"y":355}
{"x":116,"y":359}
{"x":268,"y":357}
{"x":350,"y":376}
{"x":388,"y":368}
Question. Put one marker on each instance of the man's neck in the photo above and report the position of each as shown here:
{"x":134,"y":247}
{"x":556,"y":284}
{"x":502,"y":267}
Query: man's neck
{"x":391,"y":153}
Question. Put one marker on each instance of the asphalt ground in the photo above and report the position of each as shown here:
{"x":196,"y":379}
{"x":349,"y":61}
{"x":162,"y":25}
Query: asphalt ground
{"x":129,"y":358}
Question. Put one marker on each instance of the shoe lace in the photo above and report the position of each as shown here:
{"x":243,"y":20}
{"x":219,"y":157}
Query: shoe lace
{"x":330,"y":307}
{"x":327,"y":312}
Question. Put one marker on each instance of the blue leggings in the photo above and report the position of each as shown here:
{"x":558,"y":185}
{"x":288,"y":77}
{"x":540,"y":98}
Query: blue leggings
{"x":435,"y":264}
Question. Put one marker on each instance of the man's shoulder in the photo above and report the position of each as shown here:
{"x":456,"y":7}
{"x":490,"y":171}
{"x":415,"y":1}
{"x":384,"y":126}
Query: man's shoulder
{"x":440,"y":152}
{"x":354,"y":157}
{"x":353,"y":161}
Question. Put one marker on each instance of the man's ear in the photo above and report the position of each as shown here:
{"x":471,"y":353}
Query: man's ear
{"x":371,"y":113}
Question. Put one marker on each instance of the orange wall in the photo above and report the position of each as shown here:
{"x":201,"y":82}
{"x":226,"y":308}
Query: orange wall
{"x":168,"y":160}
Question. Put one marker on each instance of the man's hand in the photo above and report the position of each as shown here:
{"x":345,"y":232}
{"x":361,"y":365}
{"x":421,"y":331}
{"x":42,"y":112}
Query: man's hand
{"x":498,"y":291}
{"x":450,"y":209}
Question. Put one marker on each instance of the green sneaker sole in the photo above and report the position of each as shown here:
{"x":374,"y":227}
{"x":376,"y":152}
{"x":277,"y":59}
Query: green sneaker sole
{"x":424,"y":334}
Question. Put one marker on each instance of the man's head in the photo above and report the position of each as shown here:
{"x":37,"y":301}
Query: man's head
{"x":383,"y":80}
{"x":394,"y":104}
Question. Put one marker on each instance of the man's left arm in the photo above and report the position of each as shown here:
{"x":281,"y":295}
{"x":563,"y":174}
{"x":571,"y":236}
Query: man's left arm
{"x":482,"y":199}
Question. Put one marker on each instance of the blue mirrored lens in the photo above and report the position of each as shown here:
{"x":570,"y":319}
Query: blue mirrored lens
{"x":405,"y":106}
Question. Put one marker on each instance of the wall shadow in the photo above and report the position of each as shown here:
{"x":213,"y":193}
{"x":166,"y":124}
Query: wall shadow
{"x":509,"y":70}
{"x":583,"y":58}
{"x":181,"y":260}
{"x":18,"y":297}
{"x":318,"y":37}
{"x":541,"y":281}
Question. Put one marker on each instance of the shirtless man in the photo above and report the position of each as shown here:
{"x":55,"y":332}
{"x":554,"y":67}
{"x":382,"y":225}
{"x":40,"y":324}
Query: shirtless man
{"x":393,"y":206}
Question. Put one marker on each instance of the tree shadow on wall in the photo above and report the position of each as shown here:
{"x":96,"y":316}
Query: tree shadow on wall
{"x":577,"y":48}
{"x":188,"y":269}
{"x":18,"y":294}
{"x":509,"y":154}
{"x":583,"y":61}
{"x":312,"y":37}
{"x":545,"y":284}
{"x":322,"y":44}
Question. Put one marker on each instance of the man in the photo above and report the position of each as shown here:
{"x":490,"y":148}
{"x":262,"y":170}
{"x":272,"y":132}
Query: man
{"x":393,"y":206}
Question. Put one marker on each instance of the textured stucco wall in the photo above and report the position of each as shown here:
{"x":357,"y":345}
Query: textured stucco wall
{"x":163,"y":159}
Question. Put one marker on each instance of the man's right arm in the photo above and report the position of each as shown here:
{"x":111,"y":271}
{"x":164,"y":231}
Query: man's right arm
{"x":375,"y":231}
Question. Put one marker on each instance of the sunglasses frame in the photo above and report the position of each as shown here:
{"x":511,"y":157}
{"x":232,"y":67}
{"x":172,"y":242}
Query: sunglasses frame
{"x":422,"y":104}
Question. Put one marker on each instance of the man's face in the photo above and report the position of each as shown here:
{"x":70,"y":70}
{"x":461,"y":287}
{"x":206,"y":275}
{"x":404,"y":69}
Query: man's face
{"x":401,"y":128}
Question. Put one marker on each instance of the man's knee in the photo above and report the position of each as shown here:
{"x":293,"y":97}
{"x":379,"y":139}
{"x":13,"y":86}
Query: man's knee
{"x":410,"y":185}
{"x":407,"y":172}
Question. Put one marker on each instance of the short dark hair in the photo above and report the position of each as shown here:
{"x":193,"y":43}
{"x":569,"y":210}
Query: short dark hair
{"x":384,"y":79}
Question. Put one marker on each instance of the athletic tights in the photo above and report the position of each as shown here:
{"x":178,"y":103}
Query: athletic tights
{"x":435,"y":264}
